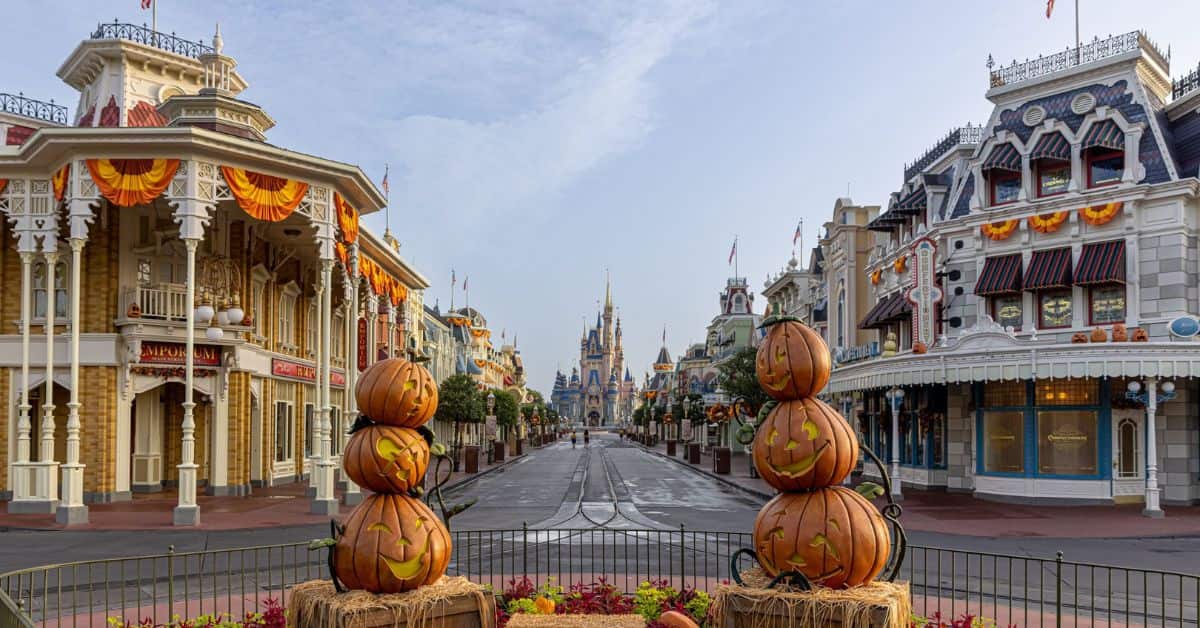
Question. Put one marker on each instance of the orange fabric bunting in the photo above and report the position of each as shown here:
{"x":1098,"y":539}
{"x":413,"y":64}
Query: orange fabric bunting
{"x":901,"y":264}
{"x":129,"y":182}
{"x":999,"y":230}
{"x":342,"y":254}
{"x":1097,"y":215}
{"x":59,"y":181}
{"x":1047,"y":223}
{"x":3,"y":185}
{"x":347,"y":218}
{"x":875,"y":277}
{"x":263,"y":196}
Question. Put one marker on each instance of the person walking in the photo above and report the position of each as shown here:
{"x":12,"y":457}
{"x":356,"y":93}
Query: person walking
{"x":572,"y":439}
{"x":586,"y":438}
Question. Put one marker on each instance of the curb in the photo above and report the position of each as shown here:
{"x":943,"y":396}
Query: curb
{"x":745,"y":489}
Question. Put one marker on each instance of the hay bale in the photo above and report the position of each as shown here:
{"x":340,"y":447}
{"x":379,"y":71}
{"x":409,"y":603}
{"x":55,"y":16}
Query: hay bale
{"x":450,"y":602}
{"x":879,"y":604}
{"x":528,"y":620}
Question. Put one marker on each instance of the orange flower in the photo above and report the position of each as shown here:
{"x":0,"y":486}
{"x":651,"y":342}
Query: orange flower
{"x":999,"y":230}
{"x":1097,"y":215}
{"x":1047,"y":223}
{"x":544,"y":605}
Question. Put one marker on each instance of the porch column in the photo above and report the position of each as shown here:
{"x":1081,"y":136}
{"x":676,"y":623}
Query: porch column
{"x":47,"y":467}
{"x":324,"y":502}
{"x":72,"y":511}
{"x":896,"y":396}
{"x":1152,"y":509}
{"x":372,"y":321}
{"x":352,"y":496}
{"x":25,"y":495}
{"x":192,"y":216}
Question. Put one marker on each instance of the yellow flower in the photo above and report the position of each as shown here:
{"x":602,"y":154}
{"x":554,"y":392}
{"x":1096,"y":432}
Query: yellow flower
{"x":544,"y":605}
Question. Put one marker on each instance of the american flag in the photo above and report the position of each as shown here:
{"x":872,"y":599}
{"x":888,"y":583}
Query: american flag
{"x":1049,"y":8}
{"x":465,"y":279}
{"x":733,"y":251}
{"x":146,"y":4}
{"x":453,"y":279}
{"x":799,"y":229}
{"x":386,"y":188}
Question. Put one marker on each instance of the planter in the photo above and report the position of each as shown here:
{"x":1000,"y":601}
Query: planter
{"x":527,"y":620}
{"x":451,"y":602}
{"x":671,"y":448}
{"x":879,"y":604}
{"x":693,"y":453}
{"x":471,"y":459}
{"x":721,"y":458}
{"x":520,"y":448}
{"x":498,"y":450}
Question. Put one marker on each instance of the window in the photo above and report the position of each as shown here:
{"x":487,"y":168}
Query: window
{"x":311,"y":327}
{"x":1053,"y":177}
{"x":284,"y":419}
{"x":310,"y":437}
{"x":1006,"y":310}
{"x":1067,"y":392}
{"x":1004,"y":394}
{"x":1006,"y":186}
{"x":1107,"y":304}
{"x":1067,"y":442}
{"x":1004,"y":442}
{"x":260,"y":309}
{"x":60,"y":290}
{"x":338,"y":329}
{"x":1128,"y":454}
{"x":336,"y":435}
{"x":1054,"y":309}
{"x":1105,"y":167}
{"x":287,"y":318}
{"x":145,"y":272}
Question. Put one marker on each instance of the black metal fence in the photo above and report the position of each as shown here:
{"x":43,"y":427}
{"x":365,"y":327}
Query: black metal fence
{"x":1020,"y":590}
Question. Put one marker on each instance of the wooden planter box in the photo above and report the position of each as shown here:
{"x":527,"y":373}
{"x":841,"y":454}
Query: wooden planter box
{"x":527,"y":620}
{"x":882,"y":605}
{"x":314,"y":604}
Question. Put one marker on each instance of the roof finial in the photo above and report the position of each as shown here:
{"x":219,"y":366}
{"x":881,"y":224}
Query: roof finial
{"x":218,"y":43}
{"x":607,"y":290}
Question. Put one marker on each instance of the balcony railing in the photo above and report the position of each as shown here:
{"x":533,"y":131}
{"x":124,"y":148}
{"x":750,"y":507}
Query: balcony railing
{"x":962,"y":135}
{"x":36,"y":109}
{"x":1184,"y":85}
{"x":144,"y":35}
{"x":167,"y":302}
{"x":1098,"y":49}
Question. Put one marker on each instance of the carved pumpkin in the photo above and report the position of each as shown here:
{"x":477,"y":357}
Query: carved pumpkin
{"x":804,"y":444}
{"x":1099,"y":335}
{"x":391,"y":543}
{"x":386,"y":459}
{"x":397,"y":392}
{"x":1079,"y":338}
{"x":919,"y":347}
{"x":792,"y":362}
{"x":834,"y":536}
{"x":1119,"y":333}
{"x":1140,"y":335}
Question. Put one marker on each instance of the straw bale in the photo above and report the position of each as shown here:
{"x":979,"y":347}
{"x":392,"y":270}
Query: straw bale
{"x":878,"y":604}
{"x":451,"y":601}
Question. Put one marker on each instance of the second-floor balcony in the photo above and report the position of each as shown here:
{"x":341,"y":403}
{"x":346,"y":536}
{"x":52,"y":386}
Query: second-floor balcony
{"x":165,"y":306}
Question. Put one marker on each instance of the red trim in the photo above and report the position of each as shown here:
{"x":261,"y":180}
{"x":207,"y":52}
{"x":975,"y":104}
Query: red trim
{"x":1097,"y":155}
{"x":1045,"y":167}
{"x":994,"y":178}
{"x":1070,"y":298}
{"x":994,"y":302}
{"x":1091,"y":303}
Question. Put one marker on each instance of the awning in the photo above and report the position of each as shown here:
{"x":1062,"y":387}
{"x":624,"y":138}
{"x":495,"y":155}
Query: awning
{"x":1049,"y":269}
{"x":871,"y":320}
{"x":886,"y":221}
{"x":821,"y":312}
{"x":1106,"y":134}
{"x":1102,"y":262}
{"x":1003,"y":157}
{"x":1052,"y":146}
{"x":1001,"y":275}
{"x":914,"y":203}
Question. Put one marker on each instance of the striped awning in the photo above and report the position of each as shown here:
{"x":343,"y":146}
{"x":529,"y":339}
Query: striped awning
{"x":1106,"y":134}
{"x":1049,"y":269}
{"x":1052,"y":146}
{"x":1102,"y":262}
{"x":1003,"y":157}
{"x":1001,"y":275}
{"x":914,"y":203}
{"x":886,"y":221}
{"x":871,"y":320}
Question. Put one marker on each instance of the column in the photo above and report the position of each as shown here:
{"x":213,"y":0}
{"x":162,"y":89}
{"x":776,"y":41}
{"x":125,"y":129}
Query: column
{"x":324,"y":503}
{"x":897,"y":396}
{"x":72,"y":511}
{"x":187,"y":512}
{"x":1152,"y":509}
{"x":372,"y":320}
{"x":47,"y":467}
{"x":25,"y":490}
{"x":352,"y":496}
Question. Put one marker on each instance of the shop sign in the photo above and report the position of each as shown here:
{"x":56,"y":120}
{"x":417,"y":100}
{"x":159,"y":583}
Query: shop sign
{"x":925,"y":293}
{"x":304,"y":372}
{"x":687,"y":430}
{"x":489,"y":427}
{"x":175,"y":353}
{"x":845,"y":355}
{"x":362,"y":344}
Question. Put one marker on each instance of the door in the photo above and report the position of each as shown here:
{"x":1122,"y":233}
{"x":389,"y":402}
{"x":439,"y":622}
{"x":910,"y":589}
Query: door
{"x":256,"y":435}
{"x":148,"y":434}
{"x":1129,"y":462}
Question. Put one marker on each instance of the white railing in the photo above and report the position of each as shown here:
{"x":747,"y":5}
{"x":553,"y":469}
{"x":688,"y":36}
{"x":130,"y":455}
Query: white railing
{"x":1096,"y":50}
{"x":160,"y":302}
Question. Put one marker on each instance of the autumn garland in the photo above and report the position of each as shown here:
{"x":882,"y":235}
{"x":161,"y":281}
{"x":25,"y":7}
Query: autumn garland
{"x":1047,"y":223}
{"x":1097,"y":215}
{"x":999,"y":230}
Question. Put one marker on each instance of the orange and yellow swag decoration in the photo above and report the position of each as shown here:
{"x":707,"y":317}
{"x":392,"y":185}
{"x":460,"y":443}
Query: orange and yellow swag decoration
{"x":59,"y":181}
{"x":3,"y":185}
{"x":999,"y":230}
{"x":263,"y":196}
{"x":901,"y":264}
{"x":876,"y":276}
{"x":347,"y":218}
{"x":1097,"y":215}
{"x":130,"y":182}
{"x":1047,"y":223}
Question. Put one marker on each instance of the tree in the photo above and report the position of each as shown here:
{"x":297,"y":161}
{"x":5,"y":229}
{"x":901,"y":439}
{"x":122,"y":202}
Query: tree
{"x":737,"y":378}
{"x":505,"y":408}
{"x":459,"y":400}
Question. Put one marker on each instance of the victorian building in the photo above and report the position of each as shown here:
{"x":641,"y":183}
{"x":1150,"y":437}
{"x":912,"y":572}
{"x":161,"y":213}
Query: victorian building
{"x":1035,"y":291}
{"x":192,"y":302}
{"x":600,"y":390}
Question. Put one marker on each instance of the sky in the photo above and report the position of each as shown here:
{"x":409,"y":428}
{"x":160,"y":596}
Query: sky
{"x":536,"y":146}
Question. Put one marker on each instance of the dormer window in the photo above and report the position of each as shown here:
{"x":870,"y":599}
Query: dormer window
{"x":1006,"y":186}
{"x":1051,"y":157}
{"x":1002,"y":168}
{"x":1104,"y":153}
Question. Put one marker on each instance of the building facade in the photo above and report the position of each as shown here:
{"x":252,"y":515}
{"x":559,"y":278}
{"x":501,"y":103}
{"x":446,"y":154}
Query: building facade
{"x":600,"y":390}
{"x":193,"y":302}
{"x":1036,"y":290}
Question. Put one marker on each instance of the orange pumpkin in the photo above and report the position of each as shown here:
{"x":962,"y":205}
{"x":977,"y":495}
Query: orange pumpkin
{"x":792,"y":362}
{"x":1140,"y":335}
{"x":391,"y":543}
{"x":919,"y":347}
{"x":1099,"y":335}
{"x":1119,"y":333}
{"x":834,"y":536}
{"x":1079,"y":338}
{"x":804,"y":444}
{"x":386,"y":459}
{"x":397,"y":392}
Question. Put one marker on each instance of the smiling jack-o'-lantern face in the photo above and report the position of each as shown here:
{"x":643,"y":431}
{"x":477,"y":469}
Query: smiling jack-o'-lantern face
{"x":397,"y":392}
{"x":386,"y":459}
{"x":834,"y":536}
{"x":792,"y":362}
{"x":803,"y":445}
{"x":391,"y":543}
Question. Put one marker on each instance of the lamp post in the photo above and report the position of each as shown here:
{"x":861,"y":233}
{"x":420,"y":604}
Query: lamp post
{"x":491,"y":405}
{"x":896,"y":396}
{"x":1150,"y":399}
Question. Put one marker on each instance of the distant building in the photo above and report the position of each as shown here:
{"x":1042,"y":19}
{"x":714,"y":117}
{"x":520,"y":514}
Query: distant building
{"x":600,"y":390}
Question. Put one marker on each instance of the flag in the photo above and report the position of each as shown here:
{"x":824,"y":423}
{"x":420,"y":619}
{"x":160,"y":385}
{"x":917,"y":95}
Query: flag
{"x":465,"y":280}
{"x":453,"y":279}
{"x":733,"y":251}
{"x":146,"y":4}
{"x":796,"y":236}
{"x":1049,"y":8}
{"x":386,"y":188}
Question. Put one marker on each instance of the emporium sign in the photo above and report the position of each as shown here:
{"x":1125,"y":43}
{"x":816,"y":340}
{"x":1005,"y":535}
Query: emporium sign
{"x":362,"y":344}
{"x":925,"y":293}
{"x":854,"y":354}
{"x":303,"y":371}
{"x":175,"y":354}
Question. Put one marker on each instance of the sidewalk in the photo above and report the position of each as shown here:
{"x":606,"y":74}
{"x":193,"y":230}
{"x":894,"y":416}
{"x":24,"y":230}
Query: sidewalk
{"x":962,"y":514}
{"x":277,"y":506}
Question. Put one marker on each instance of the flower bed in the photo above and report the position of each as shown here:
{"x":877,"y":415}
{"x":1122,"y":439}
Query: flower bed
{"x":650,"y":600}
{"x":272,"y":615}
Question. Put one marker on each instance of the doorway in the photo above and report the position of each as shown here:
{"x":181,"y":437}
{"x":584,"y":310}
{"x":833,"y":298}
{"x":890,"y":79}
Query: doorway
{"x":1129,"y":458}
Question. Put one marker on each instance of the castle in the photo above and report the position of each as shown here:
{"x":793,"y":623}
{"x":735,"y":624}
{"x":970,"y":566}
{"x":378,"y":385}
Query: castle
{"x":597,"y":393}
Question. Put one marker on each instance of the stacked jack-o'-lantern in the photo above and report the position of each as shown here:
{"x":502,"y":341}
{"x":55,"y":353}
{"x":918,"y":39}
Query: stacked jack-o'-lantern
{"x":391,"y":542}
{"x":831,"y":534}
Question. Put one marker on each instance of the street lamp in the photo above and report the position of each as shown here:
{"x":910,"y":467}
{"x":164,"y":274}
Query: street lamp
{"x":491,"y":406}
{"x":896,"y":396}
{"x":1150,"y":398}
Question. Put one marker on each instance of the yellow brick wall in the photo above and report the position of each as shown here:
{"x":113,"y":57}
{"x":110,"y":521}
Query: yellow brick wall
{"x":239,"y":428}
{"x":98,"y":428}
{"x":99,"y":289}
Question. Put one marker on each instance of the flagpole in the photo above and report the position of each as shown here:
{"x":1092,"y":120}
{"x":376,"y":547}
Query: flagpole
{"x":735,"y":257}
{"x":154,"y":17}
{"x":387,"y":194}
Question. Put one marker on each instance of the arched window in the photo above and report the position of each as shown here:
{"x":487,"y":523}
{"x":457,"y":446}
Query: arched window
{"x":61,"y":277}
{"x":841,"y":314}
{"x":1127,"y":449}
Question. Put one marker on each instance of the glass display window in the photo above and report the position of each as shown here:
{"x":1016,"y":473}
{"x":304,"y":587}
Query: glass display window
{"x":1067,"y":442}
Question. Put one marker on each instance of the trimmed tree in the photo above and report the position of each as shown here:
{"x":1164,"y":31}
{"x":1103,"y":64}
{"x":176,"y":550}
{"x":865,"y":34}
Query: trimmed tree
{"x":737,"y":378}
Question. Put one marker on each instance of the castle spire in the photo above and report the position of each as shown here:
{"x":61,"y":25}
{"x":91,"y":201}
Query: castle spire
{"x":607,"y":291}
